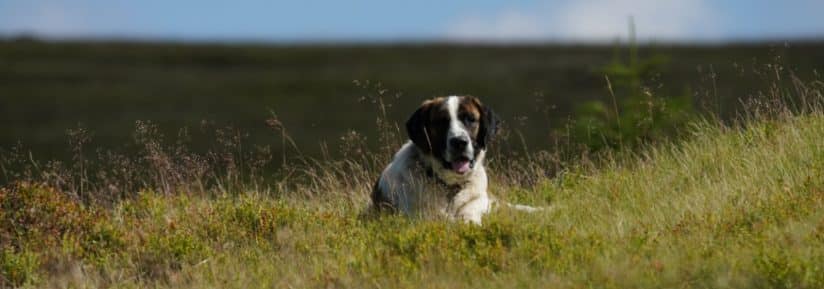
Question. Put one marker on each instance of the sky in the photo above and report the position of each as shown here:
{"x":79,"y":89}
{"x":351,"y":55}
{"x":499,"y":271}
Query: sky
{"x":409,"y":21}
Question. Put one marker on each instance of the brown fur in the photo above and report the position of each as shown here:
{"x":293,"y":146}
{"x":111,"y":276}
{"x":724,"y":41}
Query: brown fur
{"x":471,"y":107}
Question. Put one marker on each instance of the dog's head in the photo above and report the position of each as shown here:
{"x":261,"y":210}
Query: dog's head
{"x":454,"y":130}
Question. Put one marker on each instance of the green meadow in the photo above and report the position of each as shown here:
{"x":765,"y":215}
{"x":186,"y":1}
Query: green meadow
{"x":727,"y":208}
{"x":731,"y":197}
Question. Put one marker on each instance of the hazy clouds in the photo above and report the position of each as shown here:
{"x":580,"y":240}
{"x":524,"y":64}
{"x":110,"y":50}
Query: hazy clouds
{"x":479,"y":20}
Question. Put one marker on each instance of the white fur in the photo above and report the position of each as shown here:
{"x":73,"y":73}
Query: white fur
{"x":456,"y":127}
{"x":405,"y":183}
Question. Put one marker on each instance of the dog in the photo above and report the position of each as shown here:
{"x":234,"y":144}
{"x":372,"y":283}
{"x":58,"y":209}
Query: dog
{"x":441,"y":168}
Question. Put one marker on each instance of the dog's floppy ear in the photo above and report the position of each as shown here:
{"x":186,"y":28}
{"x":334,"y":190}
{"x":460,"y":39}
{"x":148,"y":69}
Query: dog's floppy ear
{"x":489,"y":126}
{"x":416,"y":127}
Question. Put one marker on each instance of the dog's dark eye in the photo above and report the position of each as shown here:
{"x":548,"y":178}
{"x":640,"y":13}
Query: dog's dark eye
{"x":469,"y":119}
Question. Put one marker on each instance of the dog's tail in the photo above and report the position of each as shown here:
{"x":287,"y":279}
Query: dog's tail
{"x":518,"y":207}
{"x":525,"y":208}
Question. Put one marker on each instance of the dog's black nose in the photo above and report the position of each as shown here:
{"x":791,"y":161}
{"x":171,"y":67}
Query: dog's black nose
{"x":458,"y":144}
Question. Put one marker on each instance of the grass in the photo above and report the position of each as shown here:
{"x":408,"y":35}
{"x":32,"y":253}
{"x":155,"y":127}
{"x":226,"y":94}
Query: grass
{"x":725,"y":204}
{"x":728,"y":206}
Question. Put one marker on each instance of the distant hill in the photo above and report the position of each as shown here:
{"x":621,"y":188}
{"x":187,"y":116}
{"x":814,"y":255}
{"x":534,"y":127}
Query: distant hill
{"x":46,"y":88}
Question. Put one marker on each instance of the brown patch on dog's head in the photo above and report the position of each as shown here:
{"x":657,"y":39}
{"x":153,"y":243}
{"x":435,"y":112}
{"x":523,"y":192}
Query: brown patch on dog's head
{"x":426,"y":124}
{"x":485,"y":124}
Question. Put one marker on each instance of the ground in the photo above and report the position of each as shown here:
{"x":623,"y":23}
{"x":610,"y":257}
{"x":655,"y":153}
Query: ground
{"x":729,"y":206}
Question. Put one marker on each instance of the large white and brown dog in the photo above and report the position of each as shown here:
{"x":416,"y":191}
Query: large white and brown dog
{"x":441,"y":169}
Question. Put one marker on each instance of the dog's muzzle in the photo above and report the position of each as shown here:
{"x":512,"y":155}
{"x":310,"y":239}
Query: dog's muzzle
{"x":460,"y":158}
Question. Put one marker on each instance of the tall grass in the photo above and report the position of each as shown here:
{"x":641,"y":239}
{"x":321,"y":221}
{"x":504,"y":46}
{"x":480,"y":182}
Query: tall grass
{"x":729,"y":204}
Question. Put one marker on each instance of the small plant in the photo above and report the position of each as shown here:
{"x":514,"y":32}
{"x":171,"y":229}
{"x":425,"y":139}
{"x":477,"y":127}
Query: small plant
{"x":635,"y":113}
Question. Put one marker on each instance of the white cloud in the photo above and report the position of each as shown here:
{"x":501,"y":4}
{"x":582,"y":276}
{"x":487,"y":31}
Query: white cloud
{"x":45,"y":18}
{"x":592,"y":20}
{"x":507,"y":25}
{"x":58,"y":18}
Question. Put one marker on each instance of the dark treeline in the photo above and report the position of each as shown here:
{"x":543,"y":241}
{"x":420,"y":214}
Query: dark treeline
{"x":321,"y":93}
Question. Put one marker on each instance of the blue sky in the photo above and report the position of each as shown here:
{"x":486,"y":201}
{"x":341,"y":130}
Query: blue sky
{"x":360,"y":20}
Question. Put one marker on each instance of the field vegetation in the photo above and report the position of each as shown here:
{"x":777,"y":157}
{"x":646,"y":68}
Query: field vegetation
{"x":723,"y":202}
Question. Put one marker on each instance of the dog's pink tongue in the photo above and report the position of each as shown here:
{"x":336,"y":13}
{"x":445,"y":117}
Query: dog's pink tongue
{"x":460,"y":166}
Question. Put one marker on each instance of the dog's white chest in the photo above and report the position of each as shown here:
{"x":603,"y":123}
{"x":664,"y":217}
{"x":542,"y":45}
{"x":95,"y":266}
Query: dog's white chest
{"x":412,"y":192}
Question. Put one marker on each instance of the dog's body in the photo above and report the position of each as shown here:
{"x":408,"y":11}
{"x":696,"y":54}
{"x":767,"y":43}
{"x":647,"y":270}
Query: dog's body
{"x":409,"y":186}
{"x":441,"y":169}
